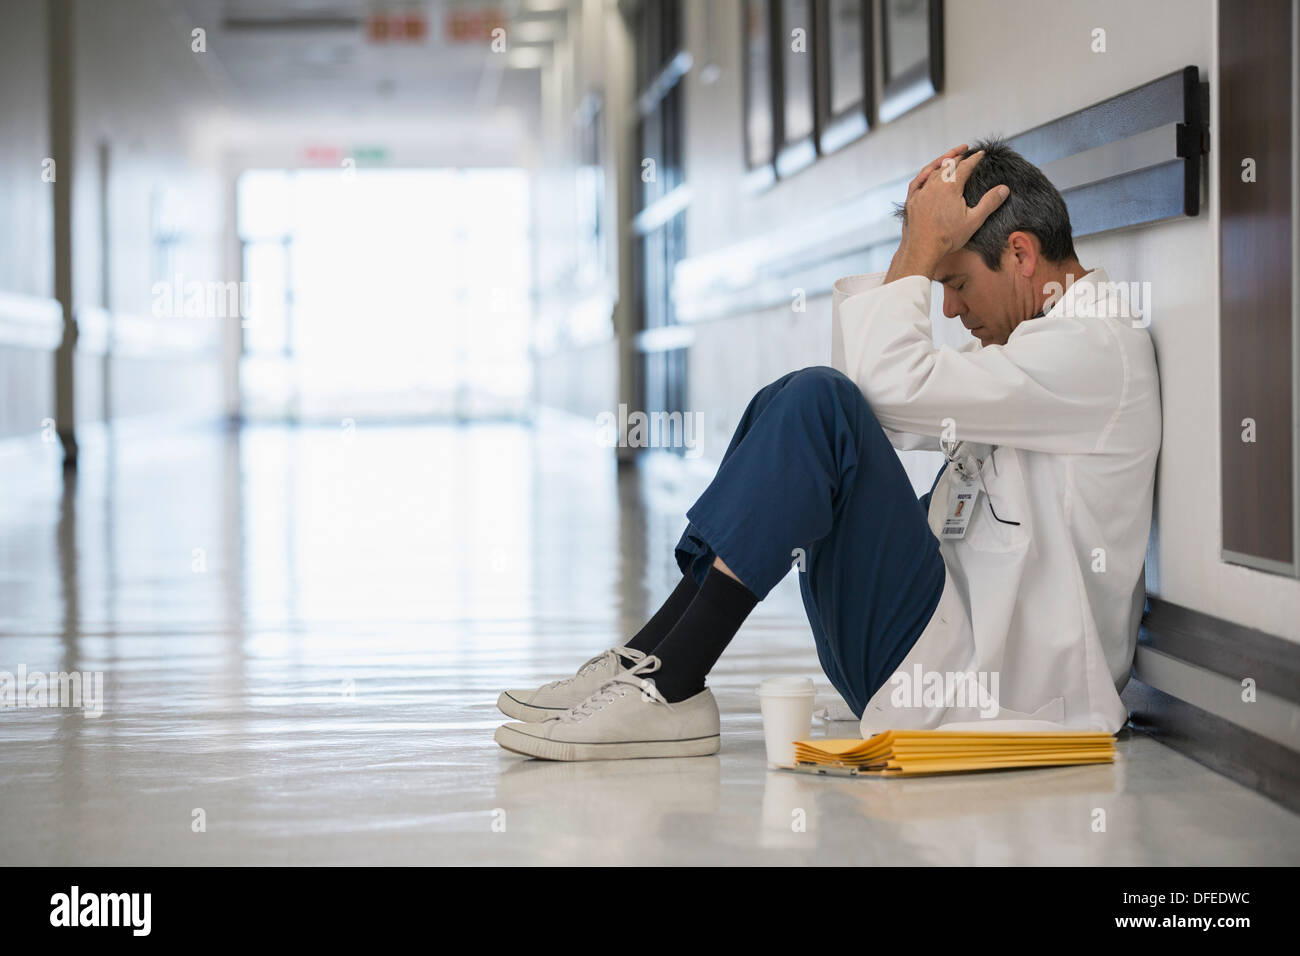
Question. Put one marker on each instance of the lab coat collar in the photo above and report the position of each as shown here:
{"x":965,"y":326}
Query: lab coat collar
{"x":1068,"y":301}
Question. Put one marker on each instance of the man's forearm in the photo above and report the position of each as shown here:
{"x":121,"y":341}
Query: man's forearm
{"x":911,"y":261}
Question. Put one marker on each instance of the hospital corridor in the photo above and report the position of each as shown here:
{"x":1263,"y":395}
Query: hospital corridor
{"x":330,"y":688}
{"x":367,"y":366}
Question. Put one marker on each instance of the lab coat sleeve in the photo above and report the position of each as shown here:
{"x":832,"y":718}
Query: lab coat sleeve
{"x":910,"y":441}
{"x":1054,"y":387}
{"x":843,"y":289}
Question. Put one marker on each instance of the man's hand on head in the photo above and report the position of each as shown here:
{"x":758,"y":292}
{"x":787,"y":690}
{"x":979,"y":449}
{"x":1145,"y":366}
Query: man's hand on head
{"x":936,"y":219}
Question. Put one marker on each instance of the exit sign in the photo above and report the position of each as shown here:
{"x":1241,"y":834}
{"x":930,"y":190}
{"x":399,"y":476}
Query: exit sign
{"x":472,"y":24}
{"x":408,"y":26}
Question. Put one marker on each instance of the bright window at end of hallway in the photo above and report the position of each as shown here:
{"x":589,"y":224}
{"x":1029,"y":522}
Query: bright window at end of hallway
{"x":389,"y":293}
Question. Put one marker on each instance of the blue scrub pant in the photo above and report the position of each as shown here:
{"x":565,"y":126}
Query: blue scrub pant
{"x":811,"y":481}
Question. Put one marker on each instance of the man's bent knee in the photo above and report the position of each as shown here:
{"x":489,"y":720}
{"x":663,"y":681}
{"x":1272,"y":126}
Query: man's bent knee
{"x":821,"y":382}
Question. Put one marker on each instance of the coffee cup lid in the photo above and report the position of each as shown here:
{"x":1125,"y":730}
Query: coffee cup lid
{"x":785,"y":687}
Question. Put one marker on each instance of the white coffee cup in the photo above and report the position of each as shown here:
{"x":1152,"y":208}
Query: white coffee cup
{"x":787,"y":707}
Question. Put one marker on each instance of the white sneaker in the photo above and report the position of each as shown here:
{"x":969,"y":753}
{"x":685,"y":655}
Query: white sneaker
{"x":626,"y":718}
{"x":553,"y":699}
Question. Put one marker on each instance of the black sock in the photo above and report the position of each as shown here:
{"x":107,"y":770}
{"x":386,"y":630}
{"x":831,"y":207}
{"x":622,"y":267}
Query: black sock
{"x":657,"y":628}
{"x":689,"y":651}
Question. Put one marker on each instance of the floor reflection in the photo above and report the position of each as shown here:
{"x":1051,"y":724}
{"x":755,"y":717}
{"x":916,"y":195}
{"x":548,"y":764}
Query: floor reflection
{"x":303,"y":632}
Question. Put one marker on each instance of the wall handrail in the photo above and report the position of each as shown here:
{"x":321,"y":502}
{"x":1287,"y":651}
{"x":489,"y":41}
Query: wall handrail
{"x":28,"y":321}
{"x":1129,"y":160}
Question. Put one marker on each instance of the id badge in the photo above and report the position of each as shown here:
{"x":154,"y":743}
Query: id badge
{"x":962,"y":496}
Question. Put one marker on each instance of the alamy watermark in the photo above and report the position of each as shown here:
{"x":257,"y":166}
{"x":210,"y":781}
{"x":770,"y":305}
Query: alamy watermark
{"x":127,"y":910}
{"x":1112,"y":300}
{"x":84,"y":690}
{"x":179,"y":298}
{"x":651,"y":430}
{"x":922,"y":688}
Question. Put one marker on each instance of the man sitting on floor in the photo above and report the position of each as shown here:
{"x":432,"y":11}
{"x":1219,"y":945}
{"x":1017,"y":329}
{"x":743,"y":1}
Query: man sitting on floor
{"x":1025,"y":560}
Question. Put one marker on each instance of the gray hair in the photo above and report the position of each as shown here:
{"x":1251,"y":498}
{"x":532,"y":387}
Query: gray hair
{"x":1034,"y":206}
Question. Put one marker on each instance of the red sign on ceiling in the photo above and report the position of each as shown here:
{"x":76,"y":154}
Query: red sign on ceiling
{"x":411,"y":26}
{"x":472,"y":24}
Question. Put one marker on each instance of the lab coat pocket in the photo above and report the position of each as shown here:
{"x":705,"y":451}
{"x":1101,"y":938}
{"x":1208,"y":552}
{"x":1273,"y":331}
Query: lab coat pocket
{"x":1001,"y":523}
{"x":987,"y":533}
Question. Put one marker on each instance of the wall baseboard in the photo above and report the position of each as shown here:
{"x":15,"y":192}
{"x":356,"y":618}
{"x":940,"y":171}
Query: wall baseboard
{"x":1221,"y":646}
{"x":1228,"y":650}
{"x":1238,"y":754}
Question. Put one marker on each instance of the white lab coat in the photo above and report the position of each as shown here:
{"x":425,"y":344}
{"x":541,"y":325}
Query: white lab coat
{"x":1072,"y":404}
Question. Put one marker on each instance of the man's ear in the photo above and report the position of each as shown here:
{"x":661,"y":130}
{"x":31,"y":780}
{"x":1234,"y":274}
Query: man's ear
{"x":1022,"y":248}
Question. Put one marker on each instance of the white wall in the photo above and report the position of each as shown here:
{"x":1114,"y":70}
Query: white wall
{"x":26,"y":216}
{"x":142,"y":90}
{"x":577,"y":354}
{"x":26,"y":219}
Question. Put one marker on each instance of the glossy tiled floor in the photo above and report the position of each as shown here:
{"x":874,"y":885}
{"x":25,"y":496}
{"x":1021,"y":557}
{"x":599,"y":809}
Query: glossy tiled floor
{"x":303,"y":634}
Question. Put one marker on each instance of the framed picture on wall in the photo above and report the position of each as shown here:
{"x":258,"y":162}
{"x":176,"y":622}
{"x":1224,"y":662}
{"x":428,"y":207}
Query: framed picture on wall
{"x":796,"y":98}
{"x":759,"y":91}
{"x":846,"y":70}
{"x":911,"y":36}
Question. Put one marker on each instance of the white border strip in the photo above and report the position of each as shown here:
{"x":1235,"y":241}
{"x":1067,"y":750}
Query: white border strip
{"x":30,"y":322}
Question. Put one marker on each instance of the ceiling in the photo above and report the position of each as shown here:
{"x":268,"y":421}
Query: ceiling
{"x":318,"y":58}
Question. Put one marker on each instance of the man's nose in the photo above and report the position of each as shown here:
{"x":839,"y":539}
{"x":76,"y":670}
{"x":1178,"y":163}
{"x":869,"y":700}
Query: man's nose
{"x":953,"y":306}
